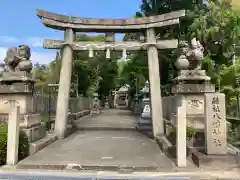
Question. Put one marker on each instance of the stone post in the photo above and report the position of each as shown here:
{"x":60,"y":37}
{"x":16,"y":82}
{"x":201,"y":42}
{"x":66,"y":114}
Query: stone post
{"x":64,"y":85}
{"x":154,"y":77}
{"x":13,"y":133}
{"x":181,"y":124}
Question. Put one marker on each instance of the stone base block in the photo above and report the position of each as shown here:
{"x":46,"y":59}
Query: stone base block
{"x":191,"y":75}
{"x":217,"y":161}
{"x":168,"y":148}
{"x":95,"y":111}
{"x":76,"y":115}
{"x":40,"y":144}
{"x":70,"y":130}
{"x":144,"y":126}
{"x":145,"y":129}
{"x":137,"y":109}
{"x":82,"y":113}
{"x":25,"y":101}
{"x":193,"y":88}
{"x":199,"y":138}
{"x":16,"y":76}
{"x":26,"y":121}
{"x":35,"y":133}
{"x":145,"y":121}
{"x":196,"y":121}
{"x":30,"y":121}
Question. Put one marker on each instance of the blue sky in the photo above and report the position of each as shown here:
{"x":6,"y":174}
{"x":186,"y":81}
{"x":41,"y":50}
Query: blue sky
{"x":20,"y":25}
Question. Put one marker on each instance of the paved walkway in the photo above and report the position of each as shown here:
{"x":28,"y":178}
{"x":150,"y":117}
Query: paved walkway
{"x":112,"y":119}
{"x":108,"y":141}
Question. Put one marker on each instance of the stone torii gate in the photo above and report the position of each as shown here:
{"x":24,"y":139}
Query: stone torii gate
{"x":146,"y":26}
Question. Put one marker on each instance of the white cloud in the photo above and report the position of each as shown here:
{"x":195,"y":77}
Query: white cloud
{"x":42,"y":57}
{"x":36,"y":56}
{"x":2,"y":53}
{"x":35,"y":41}
{"x":8,"y":39}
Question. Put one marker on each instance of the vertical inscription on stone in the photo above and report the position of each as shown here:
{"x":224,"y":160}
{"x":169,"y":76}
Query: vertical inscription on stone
{"x":215,"y":124}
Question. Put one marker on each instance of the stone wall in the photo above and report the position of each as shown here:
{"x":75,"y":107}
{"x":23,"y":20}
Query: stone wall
{"x":168,"y":106}
{"x":41,"y":106}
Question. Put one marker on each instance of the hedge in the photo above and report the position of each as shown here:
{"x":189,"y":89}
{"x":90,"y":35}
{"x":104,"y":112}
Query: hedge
{"x":23,"y":144}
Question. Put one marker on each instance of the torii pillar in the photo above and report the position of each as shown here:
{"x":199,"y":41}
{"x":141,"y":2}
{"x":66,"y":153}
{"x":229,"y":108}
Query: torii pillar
{"x":155,"y":90}
{"x":64,"y":85}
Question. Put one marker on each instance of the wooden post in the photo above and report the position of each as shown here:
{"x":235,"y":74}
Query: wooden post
{"x":155,"y":91}
{"x":13,"y":133}
{"x":64,"y":85}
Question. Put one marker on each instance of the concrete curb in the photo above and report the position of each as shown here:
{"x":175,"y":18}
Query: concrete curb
{"x":42,"y":143}
{"x":117,"y":171}
{"x":111,"y":168}
{"x":47,"y":174}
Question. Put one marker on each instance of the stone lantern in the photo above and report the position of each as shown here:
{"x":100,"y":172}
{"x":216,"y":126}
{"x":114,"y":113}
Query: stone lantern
{"x":145,"y":90}
{"x":95,"y":104}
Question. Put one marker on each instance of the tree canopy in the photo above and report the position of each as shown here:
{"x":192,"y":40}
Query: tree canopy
{"x":215,"y":24}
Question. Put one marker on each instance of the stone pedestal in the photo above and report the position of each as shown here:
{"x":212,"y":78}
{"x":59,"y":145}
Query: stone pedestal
{"x":193,"y":84}
{"x":16,"y":86}
{"x":194,"y":95}
{"x":137,"y":110}
{"x":19,"y":87}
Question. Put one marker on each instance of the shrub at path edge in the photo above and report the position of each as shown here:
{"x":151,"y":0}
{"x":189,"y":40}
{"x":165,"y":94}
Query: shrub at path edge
{"x":23,"y":149}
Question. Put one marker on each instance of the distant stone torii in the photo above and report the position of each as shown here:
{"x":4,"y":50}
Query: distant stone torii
{"x":148,"y":41}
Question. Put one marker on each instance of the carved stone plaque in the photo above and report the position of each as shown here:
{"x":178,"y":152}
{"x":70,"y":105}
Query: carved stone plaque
{"x":195,"y":104}
{"x":215,"y":124}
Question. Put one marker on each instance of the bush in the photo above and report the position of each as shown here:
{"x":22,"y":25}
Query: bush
{"x":190,"y":134}
{"x":23,"y":149}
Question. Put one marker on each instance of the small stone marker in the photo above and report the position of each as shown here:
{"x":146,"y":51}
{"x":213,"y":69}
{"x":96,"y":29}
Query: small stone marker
{"x":215,"y":124}
{"x":13,"y":133}
{"x":145,"y":117}
{"x":147,"y":109}
{"x":181,"y":124}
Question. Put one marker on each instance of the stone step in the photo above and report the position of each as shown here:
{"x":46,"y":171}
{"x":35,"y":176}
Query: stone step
{"x":42,"y":143}
{"x":92,"y":128}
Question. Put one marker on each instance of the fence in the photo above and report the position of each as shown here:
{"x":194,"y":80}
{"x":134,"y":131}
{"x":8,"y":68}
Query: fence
{"x":45,"y":104}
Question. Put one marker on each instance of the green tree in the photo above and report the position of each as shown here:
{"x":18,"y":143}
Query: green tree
{"x":216,"y":25}
{"x":96,"y":74}
{"x":218,"y":29}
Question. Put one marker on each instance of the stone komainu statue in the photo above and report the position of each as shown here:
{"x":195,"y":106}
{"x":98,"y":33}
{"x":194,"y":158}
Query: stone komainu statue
{"x":18,"y":59}
{"x":195,"y":55}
